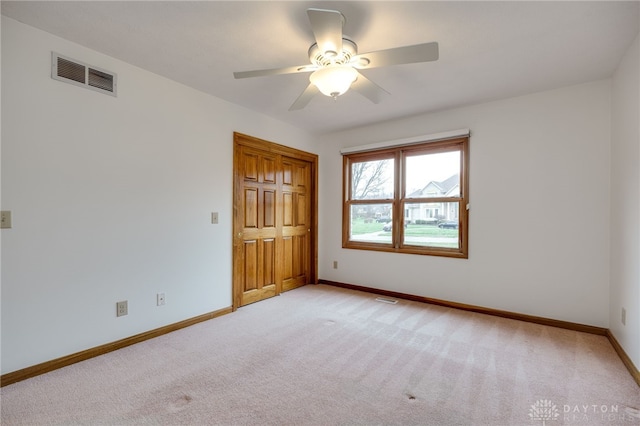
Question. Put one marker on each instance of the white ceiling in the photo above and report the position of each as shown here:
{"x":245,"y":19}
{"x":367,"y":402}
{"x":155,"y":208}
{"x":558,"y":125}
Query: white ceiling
{"x":488,"y":50}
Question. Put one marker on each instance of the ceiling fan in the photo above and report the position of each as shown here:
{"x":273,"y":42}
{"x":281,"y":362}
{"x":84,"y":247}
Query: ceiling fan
{"x":335,"y":61}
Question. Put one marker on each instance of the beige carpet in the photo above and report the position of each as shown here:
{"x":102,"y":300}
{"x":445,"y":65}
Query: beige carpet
{"x":321,"y":355}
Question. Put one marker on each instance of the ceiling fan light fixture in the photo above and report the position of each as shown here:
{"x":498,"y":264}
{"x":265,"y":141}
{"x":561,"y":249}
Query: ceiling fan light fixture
{"x":334,"y":80}
{"x":334,"y":61}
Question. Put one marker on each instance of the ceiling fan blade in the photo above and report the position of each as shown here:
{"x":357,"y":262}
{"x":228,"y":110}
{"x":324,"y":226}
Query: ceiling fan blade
{"x":304,"y":98}
{"x":400,"y":55}
{"x":327,"y":29}
{"x":274,"y":71}
{"x":369,"y":89}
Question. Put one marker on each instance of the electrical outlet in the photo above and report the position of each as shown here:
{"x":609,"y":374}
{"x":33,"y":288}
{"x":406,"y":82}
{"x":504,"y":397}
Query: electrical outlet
{"x":160,"y":300}
{"x":122,"y":309}
{"x":623,"y":316}
{"x":335,"y":264}
{"x":5,"y":219}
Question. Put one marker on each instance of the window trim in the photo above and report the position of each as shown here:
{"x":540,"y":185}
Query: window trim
{"x":400,"y":200}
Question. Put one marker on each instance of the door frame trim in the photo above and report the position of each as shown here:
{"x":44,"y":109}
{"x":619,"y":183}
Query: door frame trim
{"x":240,"y":139}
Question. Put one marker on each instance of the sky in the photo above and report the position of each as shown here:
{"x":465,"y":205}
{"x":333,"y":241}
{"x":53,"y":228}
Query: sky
{"x":422,"y":169}
{"x":433,"y":167}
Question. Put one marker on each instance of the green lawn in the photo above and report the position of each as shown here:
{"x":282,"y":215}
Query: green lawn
{"x":429,"y":230}
{"x":359,"y":227}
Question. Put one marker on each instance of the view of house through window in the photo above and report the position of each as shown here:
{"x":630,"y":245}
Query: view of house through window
{"x":409,"y":199}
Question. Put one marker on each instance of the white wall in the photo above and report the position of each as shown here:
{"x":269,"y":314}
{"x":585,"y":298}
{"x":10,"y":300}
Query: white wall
{"x":111,"y":200}
{"x":625,"y":204}
{"x":539,"y":217}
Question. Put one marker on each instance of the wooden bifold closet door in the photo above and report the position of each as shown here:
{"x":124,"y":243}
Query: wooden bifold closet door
{"x":274,"y":227}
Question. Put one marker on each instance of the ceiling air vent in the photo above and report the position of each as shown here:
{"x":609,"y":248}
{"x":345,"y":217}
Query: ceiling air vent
{"x":80,"y":74}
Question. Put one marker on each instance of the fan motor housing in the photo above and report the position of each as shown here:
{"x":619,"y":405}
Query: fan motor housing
{"x":323,"y":59}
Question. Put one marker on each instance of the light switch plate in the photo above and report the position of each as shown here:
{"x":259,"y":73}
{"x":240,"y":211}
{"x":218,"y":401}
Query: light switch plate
{"x":214,"y":218}
{"x":5,"y":219}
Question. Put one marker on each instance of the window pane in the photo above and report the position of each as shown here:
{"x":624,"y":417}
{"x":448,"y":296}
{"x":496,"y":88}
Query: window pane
{"x":433,"y":175}
{"x":432,"y":225}
{"x":371,"y":223}
{"x":372,"y":180}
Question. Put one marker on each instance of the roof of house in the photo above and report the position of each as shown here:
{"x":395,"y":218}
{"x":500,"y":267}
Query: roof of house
{"x":443,"y":186}
{"x":449,"y":183}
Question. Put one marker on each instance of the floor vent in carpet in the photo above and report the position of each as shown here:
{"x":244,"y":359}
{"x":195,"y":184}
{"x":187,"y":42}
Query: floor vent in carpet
{"x":386,"y":300}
